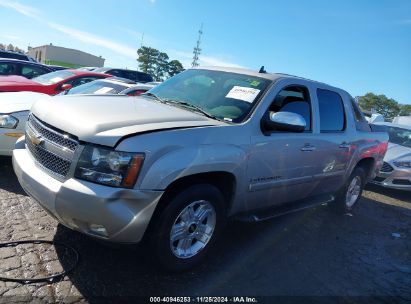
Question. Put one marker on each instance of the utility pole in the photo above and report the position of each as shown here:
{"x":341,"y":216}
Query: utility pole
{"x":197,"y":49}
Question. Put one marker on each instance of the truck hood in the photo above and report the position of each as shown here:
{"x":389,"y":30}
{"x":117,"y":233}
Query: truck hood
{"x":18,"y":101}
{"x":105,"y":120}
{"x":397,"y":152}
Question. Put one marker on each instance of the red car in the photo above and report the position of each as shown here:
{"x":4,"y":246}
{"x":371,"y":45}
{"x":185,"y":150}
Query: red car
{"x":50,"y":83}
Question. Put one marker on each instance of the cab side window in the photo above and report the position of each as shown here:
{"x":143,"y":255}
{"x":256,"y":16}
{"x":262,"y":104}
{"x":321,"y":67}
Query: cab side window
{"x":295,"y":99}
{"x":332,"y":115}
{"x":7,"y":68}
{"x":31,"y":71}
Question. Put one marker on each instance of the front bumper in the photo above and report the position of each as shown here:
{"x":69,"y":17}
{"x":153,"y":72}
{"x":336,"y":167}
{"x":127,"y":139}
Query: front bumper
{"x":123,"y":214}
{"x":399,"y":178}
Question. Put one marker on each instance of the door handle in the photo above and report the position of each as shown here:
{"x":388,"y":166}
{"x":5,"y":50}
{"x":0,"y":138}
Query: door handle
{"x":345,"y":145}
{"x":308,"y":148}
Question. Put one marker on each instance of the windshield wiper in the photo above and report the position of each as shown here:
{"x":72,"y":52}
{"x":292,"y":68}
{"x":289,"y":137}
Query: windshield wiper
{"x":155,"y":96}
{"x":191,"y":106}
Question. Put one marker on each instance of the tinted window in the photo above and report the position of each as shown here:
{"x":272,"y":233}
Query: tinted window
{"x":332,"y":117}
{"x":30,"y":71}
{"x":295,"y":99}
{"x":143,"y":77}
{"x":13,"y":56}
{"x":7,"y":68}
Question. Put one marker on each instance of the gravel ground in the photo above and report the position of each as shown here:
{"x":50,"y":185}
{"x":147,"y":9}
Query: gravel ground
{"x":310,"y":256}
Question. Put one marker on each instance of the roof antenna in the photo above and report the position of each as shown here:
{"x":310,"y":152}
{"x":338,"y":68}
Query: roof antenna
{"x":262,"y":70}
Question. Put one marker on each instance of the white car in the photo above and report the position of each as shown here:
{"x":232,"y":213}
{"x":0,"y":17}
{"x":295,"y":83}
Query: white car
{"x":15,"y":106}
{"x":14,"y":111}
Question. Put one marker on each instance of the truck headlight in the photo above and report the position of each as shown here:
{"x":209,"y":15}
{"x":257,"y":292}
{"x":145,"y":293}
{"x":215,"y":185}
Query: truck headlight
{"x":403,"y":164}
{"x":109,"y":167}
{"x":8,"y":121}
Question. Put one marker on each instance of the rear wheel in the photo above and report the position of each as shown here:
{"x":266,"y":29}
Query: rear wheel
{"x":350,"y":193}
{"x":187,"y":227}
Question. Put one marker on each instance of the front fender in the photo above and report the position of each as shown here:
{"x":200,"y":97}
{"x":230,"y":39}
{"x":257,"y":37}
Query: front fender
{"x":194,"y":160}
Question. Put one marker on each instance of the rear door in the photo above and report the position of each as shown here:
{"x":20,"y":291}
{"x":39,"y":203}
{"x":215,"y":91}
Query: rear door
{"x":333,"y":143}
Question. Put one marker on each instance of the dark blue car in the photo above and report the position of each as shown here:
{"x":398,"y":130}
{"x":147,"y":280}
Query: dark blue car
{"x":23,"y":68}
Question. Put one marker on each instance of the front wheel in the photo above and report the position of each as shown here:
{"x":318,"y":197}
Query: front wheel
{"x":188,"y":226}
{"x":350,"y":193}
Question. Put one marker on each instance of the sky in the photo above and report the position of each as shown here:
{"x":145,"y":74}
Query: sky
{"x":360,"y":46}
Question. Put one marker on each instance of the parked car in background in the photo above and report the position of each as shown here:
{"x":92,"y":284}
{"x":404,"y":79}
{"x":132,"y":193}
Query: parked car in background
{"x":57,"y":67}
{"x":15,"y":55}
{"x":15,"y":106}
{"x":26,"y":69}
{"x":205,"y":145}
{"x":129,"y":74}
{"x":402,"y":120}
{"x":373,"y":117}
{"x":14,"y":111}
{"x":138,"y":89}
{"x":51,"y":83}
{"x":396,"y":171}
{"x":87,"y":68}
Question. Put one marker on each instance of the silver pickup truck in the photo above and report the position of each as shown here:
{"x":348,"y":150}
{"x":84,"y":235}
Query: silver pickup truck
{"x":206,"y":145}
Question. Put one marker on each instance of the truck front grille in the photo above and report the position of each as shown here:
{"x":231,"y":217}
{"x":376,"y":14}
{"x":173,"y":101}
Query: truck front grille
{"x":386,"y":167}
{"x":51,"y":149}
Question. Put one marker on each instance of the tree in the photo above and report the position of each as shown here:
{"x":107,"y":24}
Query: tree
{"x":161,"y":66}
{"x":156,"y":63}
{"x":405,"y":110}
{"x":2,"y":46}
{"x":147,"y":58}
{"x":174,"y":67}
{"x":10,"y":47}
{"x":381,"y":104}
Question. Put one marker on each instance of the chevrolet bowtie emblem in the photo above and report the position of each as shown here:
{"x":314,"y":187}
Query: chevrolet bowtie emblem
{"x":35,"y":139}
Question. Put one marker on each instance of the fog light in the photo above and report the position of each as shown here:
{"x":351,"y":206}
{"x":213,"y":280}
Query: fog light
{"x":98,"y":230}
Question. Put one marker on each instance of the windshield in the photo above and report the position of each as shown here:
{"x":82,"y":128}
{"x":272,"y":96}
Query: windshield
{"x":53,"y":77}
{"x":226,"y":96}
{"x":98,"y":87}
{"x":399,"y":136}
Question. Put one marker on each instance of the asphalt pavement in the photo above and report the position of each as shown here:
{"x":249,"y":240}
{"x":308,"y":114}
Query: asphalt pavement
{"x":309,"y":256}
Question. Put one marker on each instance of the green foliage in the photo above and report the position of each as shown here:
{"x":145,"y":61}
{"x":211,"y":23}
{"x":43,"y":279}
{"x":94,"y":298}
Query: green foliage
{"x":405,"y":110}
{"x":157,"y":63}
{"x":147,"y":58}
{"x":174,"y":67}
{"x":381,"y":104}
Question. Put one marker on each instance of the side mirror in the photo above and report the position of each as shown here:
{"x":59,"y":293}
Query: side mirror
{"x":66,"y":87}
{"x":283,"y":121}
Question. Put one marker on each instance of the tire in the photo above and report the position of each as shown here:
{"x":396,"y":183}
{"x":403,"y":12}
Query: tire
{"x":196,"y":215}
{"x":350,"y":193}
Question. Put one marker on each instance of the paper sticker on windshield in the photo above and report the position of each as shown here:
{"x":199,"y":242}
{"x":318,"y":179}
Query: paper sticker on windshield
{"x":103,"y":90}
{"x":243,"y":93}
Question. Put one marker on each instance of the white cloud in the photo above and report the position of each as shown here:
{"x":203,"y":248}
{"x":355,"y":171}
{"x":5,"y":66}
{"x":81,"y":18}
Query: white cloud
{"x":125,"y":50}
{"x":205,"y":60}
{"x":11,"y":37}
{"x":96,"y":40}
{"x":20,"y":8}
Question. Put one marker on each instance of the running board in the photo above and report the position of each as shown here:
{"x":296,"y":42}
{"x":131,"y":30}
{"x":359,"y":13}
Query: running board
{"x":266,"y":214}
